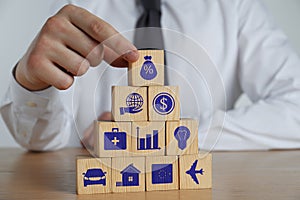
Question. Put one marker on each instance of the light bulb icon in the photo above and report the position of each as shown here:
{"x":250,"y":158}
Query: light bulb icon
{"x":182,"y":134}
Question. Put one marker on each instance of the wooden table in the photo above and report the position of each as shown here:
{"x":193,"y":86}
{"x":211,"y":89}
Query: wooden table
{"x":238,"y":175}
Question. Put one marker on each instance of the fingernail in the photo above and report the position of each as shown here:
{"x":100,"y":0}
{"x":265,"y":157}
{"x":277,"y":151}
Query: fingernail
{"x":131,"y":55}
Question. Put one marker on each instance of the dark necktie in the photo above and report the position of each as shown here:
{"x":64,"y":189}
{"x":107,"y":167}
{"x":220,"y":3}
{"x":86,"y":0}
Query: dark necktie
{"x":149,"y":38}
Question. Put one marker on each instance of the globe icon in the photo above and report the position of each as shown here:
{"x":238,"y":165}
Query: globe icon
{"x":135,"y":101}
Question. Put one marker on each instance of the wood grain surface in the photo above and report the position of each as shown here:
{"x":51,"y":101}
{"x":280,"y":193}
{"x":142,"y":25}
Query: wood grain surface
{"x":238,"y":175}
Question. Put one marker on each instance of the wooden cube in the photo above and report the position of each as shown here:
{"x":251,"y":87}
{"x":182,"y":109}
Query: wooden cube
{"x":128,"y":174}
{"x":148,"y":69}
{"x":129,"y":103}
{"x":162,"y":173}
{"x":163,"y":103}
{"x":182,"y":137}
{"x":112,"y":139}
{"x":148,"y":138}
{"x":195,"y":171}
{"x":93,"y":175}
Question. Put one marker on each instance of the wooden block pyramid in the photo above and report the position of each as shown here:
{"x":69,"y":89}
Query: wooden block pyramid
{"x":147,"y":146}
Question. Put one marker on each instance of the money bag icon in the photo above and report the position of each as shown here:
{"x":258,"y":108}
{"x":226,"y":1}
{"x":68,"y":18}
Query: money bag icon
{"x":148,"y":70}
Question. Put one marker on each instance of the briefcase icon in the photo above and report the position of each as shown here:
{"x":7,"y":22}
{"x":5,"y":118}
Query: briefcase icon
{"x":115,"y":140}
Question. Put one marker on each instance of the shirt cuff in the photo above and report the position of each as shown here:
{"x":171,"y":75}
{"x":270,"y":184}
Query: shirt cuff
{"x":22,"y":97}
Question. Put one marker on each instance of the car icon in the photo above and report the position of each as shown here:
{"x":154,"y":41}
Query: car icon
{"x":94,"y":177}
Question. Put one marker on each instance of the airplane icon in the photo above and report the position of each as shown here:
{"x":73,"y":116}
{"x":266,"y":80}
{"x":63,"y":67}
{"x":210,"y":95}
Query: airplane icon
{"x":192,"y":172}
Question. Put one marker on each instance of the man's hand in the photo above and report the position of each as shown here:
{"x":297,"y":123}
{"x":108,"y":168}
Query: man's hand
{"x":67,"y":45}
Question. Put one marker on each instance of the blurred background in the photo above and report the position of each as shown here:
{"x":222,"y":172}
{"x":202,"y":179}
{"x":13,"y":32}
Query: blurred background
{"x":20,"y":21}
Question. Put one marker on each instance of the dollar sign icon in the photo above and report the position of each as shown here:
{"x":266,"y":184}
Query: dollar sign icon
{"x":163,"y":103}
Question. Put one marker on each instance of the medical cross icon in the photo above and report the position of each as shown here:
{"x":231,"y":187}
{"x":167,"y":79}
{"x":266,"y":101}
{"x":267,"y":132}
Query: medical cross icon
{"x":115,"y":140}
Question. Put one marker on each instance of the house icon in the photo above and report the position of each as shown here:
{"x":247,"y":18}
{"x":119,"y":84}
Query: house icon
{"x":130,"y":176}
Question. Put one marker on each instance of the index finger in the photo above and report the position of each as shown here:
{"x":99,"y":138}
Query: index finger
{"x":100,"y":31}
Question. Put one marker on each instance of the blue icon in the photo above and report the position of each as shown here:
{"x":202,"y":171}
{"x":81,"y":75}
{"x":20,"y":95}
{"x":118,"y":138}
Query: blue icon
{"x":148,"y":70}
{"x":192,"y":172}
{"x":94,"y":177}
{"x":182,"y":134}
{"x":163,"y":103}
{"x":162,"y":173}
{"x":134,"y":101}
{"x":130,"y":176}
{"x":115,"y":140}
{"x":142,"y":145}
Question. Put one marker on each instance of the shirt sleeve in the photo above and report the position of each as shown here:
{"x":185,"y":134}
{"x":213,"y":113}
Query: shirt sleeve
{"x":269,"y":73}
{"x":37,"y":120}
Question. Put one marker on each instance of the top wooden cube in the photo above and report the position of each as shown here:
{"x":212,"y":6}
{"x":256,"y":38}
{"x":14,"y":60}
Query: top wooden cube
{"x":148,"y":69}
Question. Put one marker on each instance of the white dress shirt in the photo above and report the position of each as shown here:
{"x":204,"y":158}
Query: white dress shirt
{"x":250,"y":53}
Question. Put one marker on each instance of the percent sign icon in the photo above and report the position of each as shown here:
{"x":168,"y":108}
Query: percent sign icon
{"x":148,"y":70}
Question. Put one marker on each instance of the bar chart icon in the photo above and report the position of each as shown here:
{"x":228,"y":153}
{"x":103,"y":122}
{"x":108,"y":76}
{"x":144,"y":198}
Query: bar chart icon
{"x":150,"y":142}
